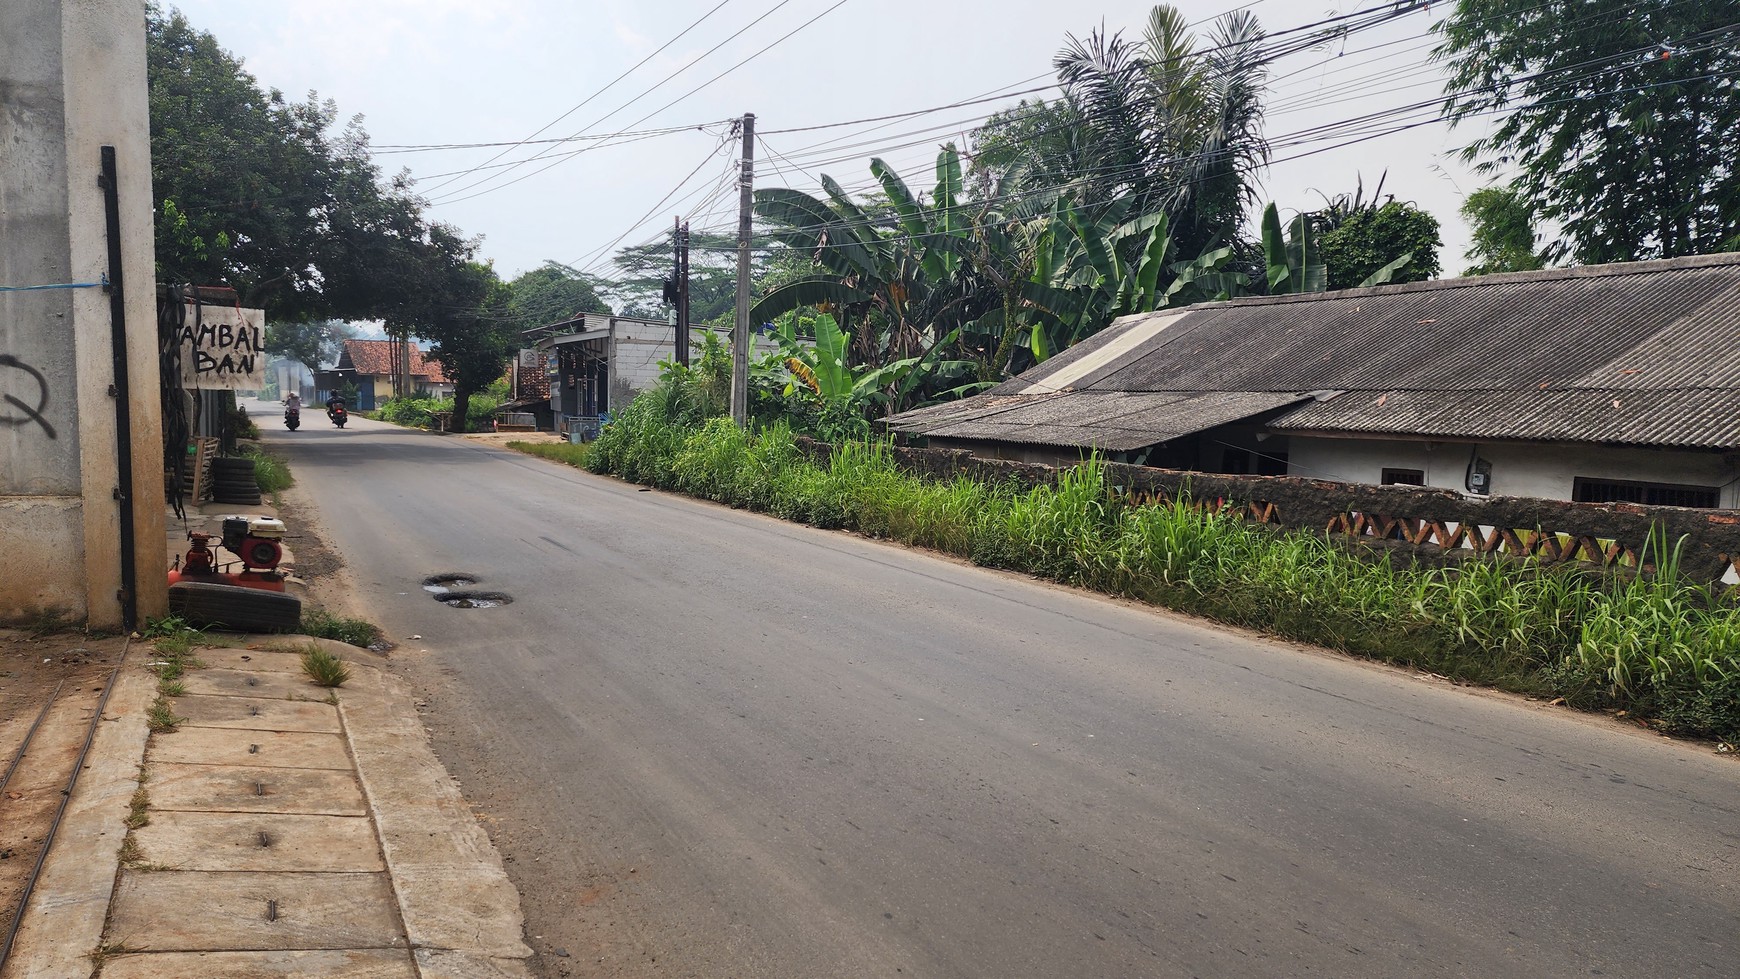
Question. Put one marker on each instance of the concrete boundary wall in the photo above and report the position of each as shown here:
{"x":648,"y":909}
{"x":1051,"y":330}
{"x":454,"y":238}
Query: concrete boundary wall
{"x":1432,"y":524}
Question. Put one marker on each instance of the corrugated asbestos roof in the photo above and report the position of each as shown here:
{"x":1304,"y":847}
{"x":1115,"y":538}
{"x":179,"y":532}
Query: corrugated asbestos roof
{"x":1643,"y":353}
{"x":1115,"y":421}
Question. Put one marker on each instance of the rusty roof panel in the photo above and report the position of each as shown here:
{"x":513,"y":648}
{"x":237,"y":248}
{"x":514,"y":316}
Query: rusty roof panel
{"x":1112,"y":421}
{"x":1691,"y":418}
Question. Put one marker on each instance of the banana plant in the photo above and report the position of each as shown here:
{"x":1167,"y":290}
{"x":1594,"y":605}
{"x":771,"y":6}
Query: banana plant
{"x":905,"y":275}
{"x":1082,"y":279}
{"x":1295,"y":263}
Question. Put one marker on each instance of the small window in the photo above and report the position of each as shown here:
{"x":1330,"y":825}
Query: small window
{"x":1404,"y":477}
{"x":1586,"y":490}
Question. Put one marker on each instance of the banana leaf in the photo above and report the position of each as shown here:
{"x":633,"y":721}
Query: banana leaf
{"x":1383,"y":275}
{"x":811,"y":290}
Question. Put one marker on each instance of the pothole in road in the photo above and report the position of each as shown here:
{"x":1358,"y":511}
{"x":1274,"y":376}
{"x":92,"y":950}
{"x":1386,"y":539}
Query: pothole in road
{"x":474,"y":599}
{"x":441,"y":584}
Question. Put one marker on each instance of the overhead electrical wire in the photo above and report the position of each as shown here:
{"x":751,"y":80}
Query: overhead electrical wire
{"x":584,"y":102}
{"x":1349,"y":130}
{"x":1310,"y":136}
{"x":563,"y":157}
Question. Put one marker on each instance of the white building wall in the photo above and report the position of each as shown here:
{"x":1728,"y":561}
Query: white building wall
{"x":1518,"y":469}
{"x":637,"y":347}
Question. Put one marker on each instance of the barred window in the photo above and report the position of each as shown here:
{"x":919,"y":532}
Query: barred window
{"x":1587,"y":490}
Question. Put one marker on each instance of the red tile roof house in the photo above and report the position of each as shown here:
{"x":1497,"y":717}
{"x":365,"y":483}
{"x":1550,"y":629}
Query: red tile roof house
{"x":369,"y":365}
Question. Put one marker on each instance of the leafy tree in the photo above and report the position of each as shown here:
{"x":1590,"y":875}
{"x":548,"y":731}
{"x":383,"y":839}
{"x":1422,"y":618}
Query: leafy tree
{"x":1618,"y":115}
{"x":308,"y":342}
{"x":897,"y":286}
{"x":462,"y":311}
{"x":550,"y":293}
{"x":1034,"y":144}
{"x":1503,"y":228}
{"x":1368,"y":239}
{"x":271,"y":197}
{"x":641,"y":271}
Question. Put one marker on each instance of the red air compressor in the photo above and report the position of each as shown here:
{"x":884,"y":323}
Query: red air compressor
{"x":255,"y":540}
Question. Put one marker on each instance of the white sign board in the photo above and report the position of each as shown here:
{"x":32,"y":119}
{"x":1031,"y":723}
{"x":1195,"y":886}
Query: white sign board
{"x":222,"y":348}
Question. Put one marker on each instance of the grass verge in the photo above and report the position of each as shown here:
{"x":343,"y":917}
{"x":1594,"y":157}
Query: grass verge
{"x":573,"y":455}
{"x":1660,"y":647}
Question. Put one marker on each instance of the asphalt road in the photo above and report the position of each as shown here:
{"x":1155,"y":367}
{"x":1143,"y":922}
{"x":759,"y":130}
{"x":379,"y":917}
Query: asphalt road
{"x":710,"y":743}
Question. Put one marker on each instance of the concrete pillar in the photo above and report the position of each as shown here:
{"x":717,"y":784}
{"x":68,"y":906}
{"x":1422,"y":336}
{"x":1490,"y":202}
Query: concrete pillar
{"x":72,"y":80}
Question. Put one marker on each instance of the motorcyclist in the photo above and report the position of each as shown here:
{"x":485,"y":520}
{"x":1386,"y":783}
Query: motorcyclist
{"x":293,"y":403}
{"x":334,"y":403}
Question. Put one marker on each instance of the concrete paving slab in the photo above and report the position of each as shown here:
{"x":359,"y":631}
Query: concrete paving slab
{"x":259,"y":841}
{"x":235,"y":788}
{"x":442,"y":963}
{"x":189,"y":911}
{"x":64,"y":921}
{"x":347,"y":964}
{"x":242,"y":658}
{"x":453,"y":892}
{"x":258,"y":714}
{"x":246,"y":683}
{"x":271,"y":749}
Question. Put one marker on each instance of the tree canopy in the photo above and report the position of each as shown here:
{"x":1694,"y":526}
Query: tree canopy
{"x":272,"y":197}
{"x":1618,"y":117}
{"x":1503,"y":228}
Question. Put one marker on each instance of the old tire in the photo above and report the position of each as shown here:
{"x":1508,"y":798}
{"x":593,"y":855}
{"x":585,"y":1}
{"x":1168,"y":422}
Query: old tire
{"x":206,"y":603}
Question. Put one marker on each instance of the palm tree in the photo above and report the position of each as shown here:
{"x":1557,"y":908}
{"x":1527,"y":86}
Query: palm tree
{"x":1176,"y":130}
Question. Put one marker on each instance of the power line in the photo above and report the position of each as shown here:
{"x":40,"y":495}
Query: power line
{"x":542,"y":153}
{"x":606,"y":88}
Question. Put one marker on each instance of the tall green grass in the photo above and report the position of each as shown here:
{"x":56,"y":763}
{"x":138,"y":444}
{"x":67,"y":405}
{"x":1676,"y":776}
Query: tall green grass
{"x":270,"y":472}
{"x":1659,"y":645}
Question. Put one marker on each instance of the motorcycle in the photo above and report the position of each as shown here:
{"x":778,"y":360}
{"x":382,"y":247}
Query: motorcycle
{"x":337,"y":414}
{"x":292,"y":418}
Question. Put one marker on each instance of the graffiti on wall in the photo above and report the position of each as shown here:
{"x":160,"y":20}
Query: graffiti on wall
{"x":23,"y":395}
{"x":221,"y":348}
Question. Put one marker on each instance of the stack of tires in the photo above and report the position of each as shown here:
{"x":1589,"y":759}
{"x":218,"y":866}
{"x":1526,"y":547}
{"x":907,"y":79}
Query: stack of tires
{"x":232,"y":481}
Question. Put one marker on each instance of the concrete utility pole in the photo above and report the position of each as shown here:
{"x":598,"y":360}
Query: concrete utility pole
{"x":740,"y":336}
{"x":81,"y":440}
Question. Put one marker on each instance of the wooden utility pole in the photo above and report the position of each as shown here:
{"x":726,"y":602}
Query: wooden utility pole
{"x":740,"y":336}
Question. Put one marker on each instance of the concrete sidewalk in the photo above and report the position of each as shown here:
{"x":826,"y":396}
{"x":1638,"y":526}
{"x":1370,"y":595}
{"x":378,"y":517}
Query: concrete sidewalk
{"x":284,"y":835}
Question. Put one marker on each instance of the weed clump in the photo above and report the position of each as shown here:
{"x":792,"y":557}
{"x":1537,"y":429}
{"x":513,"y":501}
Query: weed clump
{"x":323,"y":667}
{"x":322,"y":624}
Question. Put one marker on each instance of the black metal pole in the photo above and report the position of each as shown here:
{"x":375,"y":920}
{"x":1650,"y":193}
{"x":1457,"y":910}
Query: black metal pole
{"x":675,"y":295}
{"x":683,"y":295}
{"x":740,"y":336}
{"x":119,"y":391}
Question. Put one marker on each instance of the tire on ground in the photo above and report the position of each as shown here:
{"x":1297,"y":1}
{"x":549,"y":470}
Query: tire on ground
{"x":206,"y":603}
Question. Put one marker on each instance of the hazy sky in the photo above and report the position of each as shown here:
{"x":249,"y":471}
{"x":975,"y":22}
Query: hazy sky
{"x":427,"y":72}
